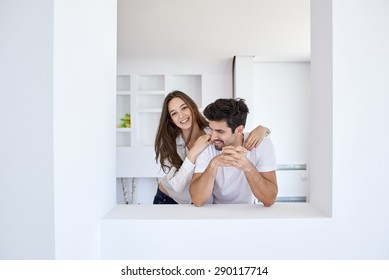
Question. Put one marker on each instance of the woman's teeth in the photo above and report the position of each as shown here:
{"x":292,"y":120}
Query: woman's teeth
{"x":184,"y":121}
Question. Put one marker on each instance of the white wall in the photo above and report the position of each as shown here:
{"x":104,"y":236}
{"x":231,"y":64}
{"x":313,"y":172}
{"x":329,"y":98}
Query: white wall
{"x":84,"y":123}
{"x":320,"y":165}
{"x":360,"y":100}
{"x":358,"y":227}
{"x":58,"y":75}
{"x":26,"y":125}
{"x":349,"y":155}
{"x":282,"y":102}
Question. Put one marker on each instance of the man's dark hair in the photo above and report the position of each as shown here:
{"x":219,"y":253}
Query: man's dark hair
{"x":233,"y":111}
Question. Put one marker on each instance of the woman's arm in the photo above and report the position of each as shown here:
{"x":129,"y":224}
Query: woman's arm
{"x":178,"y":179}
{"x":256,"y":136}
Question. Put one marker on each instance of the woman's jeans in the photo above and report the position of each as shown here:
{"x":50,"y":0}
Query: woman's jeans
{"x":161,"y":198}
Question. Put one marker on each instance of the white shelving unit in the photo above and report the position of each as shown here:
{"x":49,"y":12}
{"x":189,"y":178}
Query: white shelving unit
{"x":142,"y":97}
{"x":123,"y":106}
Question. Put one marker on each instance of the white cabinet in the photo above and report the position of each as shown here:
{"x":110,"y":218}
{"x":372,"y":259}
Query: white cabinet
{"x":142,"y":96}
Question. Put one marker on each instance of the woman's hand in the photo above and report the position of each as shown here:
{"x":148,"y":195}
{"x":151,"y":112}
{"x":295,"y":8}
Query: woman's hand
{"x":201,"y":143}
{"x":255,"y":137}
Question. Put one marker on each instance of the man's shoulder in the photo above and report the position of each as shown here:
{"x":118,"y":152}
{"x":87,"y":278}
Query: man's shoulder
{"x":263,"y":150}
{"x":210,"y":151}
{"x":206,"y":155}
{"x":264,"y":156}
{"x":265,"y":145}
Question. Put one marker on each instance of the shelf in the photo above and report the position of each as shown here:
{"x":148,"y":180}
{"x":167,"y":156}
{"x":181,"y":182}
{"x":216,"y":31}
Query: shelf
{"x":126,"y":213}
{"x":152,"y":92}
{"x":122,"y":129}
{"x":123,"y":92}
{"x":153,"y":110}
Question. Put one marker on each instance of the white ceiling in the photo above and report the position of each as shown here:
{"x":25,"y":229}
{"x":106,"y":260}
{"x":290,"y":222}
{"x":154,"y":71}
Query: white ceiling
{"x":217,"y":28}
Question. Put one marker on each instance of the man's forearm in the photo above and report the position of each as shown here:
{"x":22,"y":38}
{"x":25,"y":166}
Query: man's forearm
{"x":263,"y":185}
{"x":201,"y":186}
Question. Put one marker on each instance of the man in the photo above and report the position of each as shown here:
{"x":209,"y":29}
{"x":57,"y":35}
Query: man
{"x":226,"y":172}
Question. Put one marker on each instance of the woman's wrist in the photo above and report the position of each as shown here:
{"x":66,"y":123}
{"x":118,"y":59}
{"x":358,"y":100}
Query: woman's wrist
{"x":191,"y":156}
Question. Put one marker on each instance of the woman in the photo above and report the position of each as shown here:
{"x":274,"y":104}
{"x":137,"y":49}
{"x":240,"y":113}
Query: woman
{"x":181,"y":137}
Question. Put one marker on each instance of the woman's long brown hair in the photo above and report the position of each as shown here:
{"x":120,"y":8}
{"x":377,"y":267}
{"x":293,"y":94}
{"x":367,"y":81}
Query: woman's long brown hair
{"x":165,"y":141}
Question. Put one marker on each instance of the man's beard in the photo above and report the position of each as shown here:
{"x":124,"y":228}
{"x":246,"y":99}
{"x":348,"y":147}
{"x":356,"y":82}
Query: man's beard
{"x":219,"y":146}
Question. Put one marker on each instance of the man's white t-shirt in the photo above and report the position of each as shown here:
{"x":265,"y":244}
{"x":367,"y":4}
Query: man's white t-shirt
{"x":231,"y":185}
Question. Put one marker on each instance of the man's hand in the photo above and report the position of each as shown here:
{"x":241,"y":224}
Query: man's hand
{"x":234,"y":156}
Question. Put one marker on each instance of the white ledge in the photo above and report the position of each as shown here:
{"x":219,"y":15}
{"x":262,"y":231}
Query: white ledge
{"x":214,"y":212}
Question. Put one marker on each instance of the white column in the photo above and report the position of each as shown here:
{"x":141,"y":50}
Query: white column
{"x":243,"y":83}
{"x":84,"y":123}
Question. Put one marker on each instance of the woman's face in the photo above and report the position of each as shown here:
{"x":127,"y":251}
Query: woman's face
{"x":180,"y":113}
